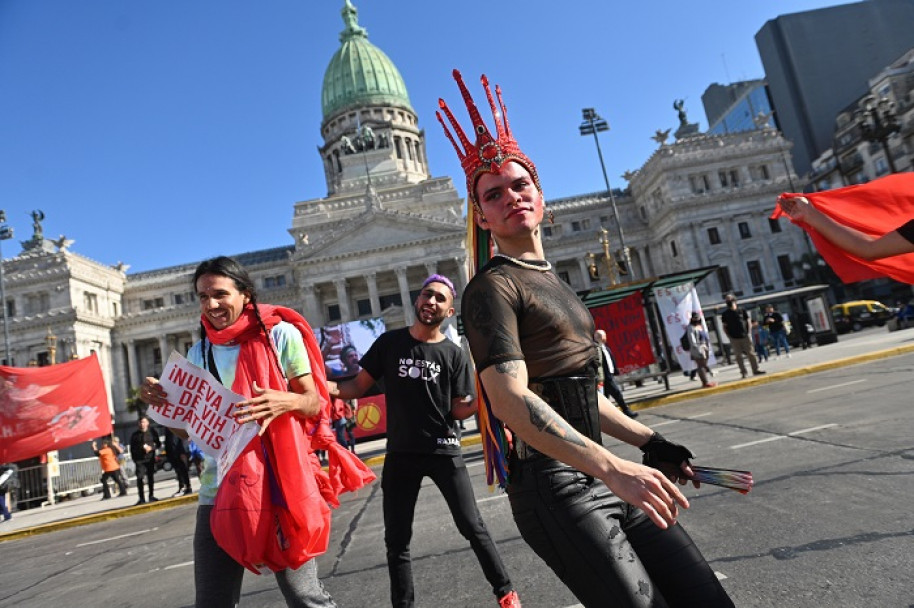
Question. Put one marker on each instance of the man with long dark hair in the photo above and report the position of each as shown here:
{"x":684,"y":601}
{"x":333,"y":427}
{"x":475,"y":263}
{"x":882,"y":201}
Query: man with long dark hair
{"x":266,"y":353}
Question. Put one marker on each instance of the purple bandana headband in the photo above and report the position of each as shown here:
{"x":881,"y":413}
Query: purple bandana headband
{"x":440,"y":278}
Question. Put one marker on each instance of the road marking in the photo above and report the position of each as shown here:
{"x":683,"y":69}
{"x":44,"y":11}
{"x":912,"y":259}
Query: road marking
{"x":697,"y":416}
{"x":776,"y":437}
{"x":182,"y":565}
{"x":811,"y":429}
{"x":828,"y":388}
{"x":497,"y":497}
{"x":720,"y":575}
{"x":107,"y":540}
{"x":766,"y":440}
{"x":667,"y":422}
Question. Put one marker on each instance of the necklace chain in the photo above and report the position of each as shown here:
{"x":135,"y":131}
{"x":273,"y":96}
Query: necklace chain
{"x":540,"y":267}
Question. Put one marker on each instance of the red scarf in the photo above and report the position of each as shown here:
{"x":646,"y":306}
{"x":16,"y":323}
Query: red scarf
{"x":875,"y":208}
{"x":278,"y":481}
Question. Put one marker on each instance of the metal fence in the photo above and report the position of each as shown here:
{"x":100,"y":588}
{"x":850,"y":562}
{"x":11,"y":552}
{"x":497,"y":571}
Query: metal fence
{"x":77,"y":477}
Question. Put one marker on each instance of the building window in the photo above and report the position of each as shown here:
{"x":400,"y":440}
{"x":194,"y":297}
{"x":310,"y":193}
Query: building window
{"x":744,"y":232}
{"x":153,"y":303}
{"x":114,"y":312}
{"x":547,"y":232}
{"x":37,"y":303}
{"x":333,"y":312}
{"x":723,"y":279}
{"x":391,"y":300}
{"x":755,"y":275}
{"x":604,"y":220}
{"x":774,"y":225}
{"x":364,"y":307}
{"x":90,"y":302}
{"x":274,"y":282}
{"x":397,"y":146}
{"x":581,"y":225}
{"x":713,"y":236}
{"x":673,"y":249}
{"x":10,"y":308}
{"x":882,"y":167}
{"x":786,"y":267}
{"x":564,"y":276}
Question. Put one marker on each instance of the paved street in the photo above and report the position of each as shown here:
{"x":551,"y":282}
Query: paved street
{"x":827,"y":524}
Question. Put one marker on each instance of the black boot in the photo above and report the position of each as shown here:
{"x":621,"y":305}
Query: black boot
{"x":628,"y":411}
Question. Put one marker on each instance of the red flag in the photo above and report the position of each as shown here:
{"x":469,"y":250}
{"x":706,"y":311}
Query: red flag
{"x":875,"y":208}
{"x":51,"y":408}
{"x":626,"y":332}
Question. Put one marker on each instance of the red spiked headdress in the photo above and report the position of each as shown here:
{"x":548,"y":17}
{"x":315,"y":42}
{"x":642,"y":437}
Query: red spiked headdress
{"x":488,"y":154}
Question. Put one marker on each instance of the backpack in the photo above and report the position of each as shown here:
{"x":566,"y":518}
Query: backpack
{"x":684,"y":341}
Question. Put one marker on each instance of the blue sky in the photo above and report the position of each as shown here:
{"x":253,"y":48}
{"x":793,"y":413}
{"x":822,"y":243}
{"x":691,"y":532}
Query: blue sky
{"x":164,"y":132}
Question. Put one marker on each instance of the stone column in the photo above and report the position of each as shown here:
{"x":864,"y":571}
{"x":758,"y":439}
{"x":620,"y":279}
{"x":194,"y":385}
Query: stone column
{"x":431,"y":268}
{"x":404,"y":295}
{"x":134,"y":375}
{"x":463,"y":276}
{"x":372,"y":279}
{"x":165,"y":349}
{"x":312,"y":310}
{"x":342,"y":296}
{"x":585,"y":273}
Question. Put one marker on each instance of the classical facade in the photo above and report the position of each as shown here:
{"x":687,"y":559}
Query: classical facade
{"x":703,"y":200}
{"x":386,"y":223}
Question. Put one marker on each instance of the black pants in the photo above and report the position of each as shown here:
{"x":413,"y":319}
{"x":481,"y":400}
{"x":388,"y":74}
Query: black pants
{"x":147,"y":469}
{"x":400,"y":481}
{"x":181,"y":473}
{"x":607,"y":552}
{"x":116,"y":476}
{"x":611,"y":389}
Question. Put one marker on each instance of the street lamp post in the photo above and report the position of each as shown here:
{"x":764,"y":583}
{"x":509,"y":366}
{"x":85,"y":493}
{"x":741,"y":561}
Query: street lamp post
{"x":878,"y":122}
{"x":593,"y":123}
{"x":6,"y":232}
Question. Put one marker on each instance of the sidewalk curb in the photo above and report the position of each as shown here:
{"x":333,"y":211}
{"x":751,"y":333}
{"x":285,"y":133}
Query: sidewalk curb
{"x":165,"y":503}
{"x":476,"y":439}
{"x":757,"y":380}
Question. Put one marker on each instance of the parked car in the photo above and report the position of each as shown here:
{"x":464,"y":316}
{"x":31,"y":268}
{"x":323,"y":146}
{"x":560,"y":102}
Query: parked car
{"x":857,"y":314}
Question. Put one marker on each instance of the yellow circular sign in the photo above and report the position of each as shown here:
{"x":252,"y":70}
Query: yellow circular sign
{"x":368,"y":416}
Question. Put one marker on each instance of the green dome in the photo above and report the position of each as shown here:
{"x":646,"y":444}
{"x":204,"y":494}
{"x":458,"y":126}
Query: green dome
{"x":360,"y":73}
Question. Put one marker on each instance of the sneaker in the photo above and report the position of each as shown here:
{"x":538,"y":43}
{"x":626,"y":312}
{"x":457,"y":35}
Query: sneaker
{"x":788,"y":355}
{"x":153,"y":499}
{"x":140,"y":502}
{"x":709,"y":385}
{"x":631,"y":414}
{"x":187,"y":492}
{"x":509,"y":600}
{"x":178,"y":493}
{"x":759,"y":372}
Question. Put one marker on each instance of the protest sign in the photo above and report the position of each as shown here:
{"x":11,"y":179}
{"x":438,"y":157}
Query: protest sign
{"x":200,"y":405}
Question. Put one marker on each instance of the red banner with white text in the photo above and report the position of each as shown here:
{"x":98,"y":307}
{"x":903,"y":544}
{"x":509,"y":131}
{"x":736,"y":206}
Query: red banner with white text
{"x":51,"y":408}
{"x":626,"y":332}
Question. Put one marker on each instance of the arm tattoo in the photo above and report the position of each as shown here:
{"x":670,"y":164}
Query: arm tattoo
{"x":507,"y":367}
{"x":546,"y":420}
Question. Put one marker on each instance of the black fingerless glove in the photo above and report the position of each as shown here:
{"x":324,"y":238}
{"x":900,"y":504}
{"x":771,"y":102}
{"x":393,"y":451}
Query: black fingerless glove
{"x":659,"y":451}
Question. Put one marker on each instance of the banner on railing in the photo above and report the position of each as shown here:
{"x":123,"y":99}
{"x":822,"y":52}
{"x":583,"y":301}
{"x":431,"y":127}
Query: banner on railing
{"x":51,"y":408}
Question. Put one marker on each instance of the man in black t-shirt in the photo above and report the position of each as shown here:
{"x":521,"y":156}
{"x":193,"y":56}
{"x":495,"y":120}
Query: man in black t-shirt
{"x":429,"y":386}
{"x":736,"y":325}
